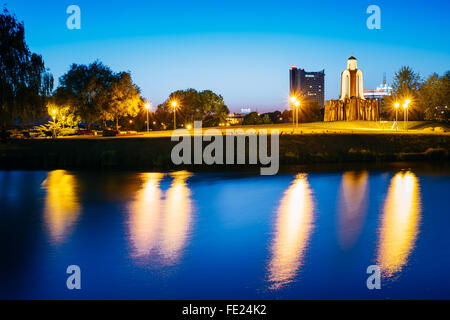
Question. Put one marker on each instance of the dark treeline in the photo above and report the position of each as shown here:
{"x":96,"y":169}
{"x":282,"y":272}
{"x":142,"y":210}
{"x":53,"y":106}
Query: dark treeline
{"x":191,"y":105}
{"x":429,"y":97}
{"x":92,"y":96}
{"x":97,"y":97}
{"x":25,"y":83}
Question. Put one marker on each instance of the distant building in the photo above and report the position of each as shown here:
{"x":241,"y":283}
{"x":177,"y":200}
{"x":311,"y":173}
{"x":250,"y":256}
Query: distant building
{"x":382,"y":90}
{"x":235,"y":118}
{"x":309,"y":85}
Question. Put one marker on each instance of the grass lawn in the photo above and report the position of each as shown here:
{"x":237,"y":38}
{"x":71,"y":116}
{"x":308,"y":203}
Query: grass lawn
{"x":345,"y":127}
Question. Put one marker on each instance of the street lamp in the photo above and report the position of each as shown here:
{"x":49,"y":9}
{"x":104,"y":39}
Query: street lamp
{"x":174,"y":106}
{"x":294,"y":102}
{"x":405,"y":116}
{"x":405,"y":107}
{"x":397,"y":105}
{"x":297,"y":105}
{"x":54,"y":123}
{"x":147,"y":107}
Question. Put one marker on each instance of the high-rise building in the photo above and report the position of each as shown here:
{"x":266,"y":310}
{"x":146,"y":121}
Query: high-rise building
{"x":308,"y":85}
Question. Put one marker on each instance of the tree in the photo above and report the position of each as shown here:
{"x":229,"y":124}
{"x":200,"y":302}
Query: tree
{"x":406,"y":85}
{"x":25,"y":84}
{"x":434,"y":96}
{"x":64,"y":114}
{"x":406,"y":81}
{"x":86,"y":89}
{"x":124,"y":99}
{"x":309,"y":111}
{"x":205,"y":106}
{"x":253,"y":118}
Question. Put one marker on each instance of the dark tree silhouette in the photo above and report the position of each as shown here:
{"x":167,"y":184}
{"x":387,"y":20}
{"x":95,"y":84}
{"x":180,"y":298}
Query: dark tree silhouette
{"x":25,"y":84}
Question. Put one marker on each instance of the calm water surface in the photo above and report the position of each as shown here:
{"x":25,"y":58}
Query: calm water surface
{"x":225,"y":236}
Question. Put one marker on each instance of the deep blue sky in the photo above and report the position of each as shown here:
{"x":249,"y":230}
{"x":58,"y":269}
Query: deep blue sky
{"x":240,"y":49}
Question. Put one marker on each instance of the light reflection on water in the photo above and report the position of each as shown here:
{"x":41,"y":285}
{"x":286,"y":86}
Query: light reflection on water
{"x":62,"y":207}
{"x":144,"y":217}
{"x":293,"y":229}
{"x":160,"y":223}
{"x":399,"y":223}
{"x":164,"y":234}
{"x":352,"y":207}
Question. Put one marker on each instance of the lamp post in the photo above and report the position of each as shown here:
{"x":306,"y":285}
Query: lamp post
{"x":54,"y":123}
{"x":294,"y":101}
{"x":297,"y":105}
{"x":174,"y":106}
{"x":147,"y":107}
{"x":405,"y":115}
{"x":397,"y":105}
{"x":405,"y":107}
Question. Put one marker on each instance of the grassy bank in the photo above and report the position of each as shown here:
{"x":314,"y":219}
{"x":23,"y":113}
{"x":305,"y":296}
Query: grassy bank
{"x":155,"y":153}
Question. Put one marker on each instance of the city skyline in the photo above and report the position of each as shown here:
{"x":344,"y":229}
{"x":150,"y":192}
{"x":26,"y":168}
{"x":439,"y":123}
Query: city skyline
{"x":241,"y":52}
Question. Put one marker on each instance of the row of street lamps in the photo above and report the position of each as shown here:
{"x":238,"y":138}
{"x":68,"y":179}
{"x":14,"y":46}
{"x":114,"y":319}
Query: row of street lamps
{"x":174,"y":104}
{"x":295,"y":104}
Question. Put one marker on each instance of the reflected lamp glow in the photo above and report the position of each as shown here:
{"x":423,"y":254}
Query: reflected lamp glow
{"x":177,"y":218}
{"x":62,"y":207}
{"x":352,"y":207}
{"x":293,"y":230}
{"x":399,"y":224}
{"x":145,"y":216}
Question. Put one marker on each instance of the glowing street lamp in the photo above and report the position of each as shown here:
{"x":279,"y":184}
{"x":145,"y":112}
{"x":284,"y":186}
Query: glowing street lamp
{"x":147,"y":107}
{"x":294,"y":102}
{"x":174,"y":106}
{"x":54,"y":123}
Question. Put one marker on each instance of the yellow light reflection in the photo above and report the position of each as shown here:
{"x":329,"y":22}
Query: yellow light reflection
{"x":62,"y":208}
{"x":352,"y":207}
{"x":293,"y":230}
{"x":400,"y":223}
{"x":177,"y":218}
{"x":145,"y":215}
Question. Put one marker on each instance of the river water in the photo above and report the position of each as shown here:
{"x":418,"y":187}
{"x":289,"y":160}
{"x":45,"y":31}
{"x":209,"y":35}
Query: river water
{"x":304,"y":234}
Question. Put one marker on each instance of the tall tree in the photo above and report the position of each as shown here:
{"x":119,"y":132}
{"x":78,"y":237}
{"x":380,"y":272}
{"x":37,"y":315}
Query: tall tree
{"x":124,"y":99}
{"x":434,"y":96}
{"x":405,"y":81}
{"x":205,"y":106}
{"x":406,"y":85}
{"x":86,"y":89}
{"x":25,"y":84}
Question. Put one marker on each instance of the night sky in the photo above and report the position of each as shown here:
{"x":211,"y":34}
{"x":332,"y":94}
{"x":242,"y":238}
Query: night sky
{"x":240,"y":49}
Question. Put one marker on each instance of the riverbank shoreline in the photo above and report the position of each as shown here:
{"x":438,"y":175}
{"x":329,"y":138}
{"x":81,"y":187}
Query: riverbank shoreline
{"x":154,"y":153}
